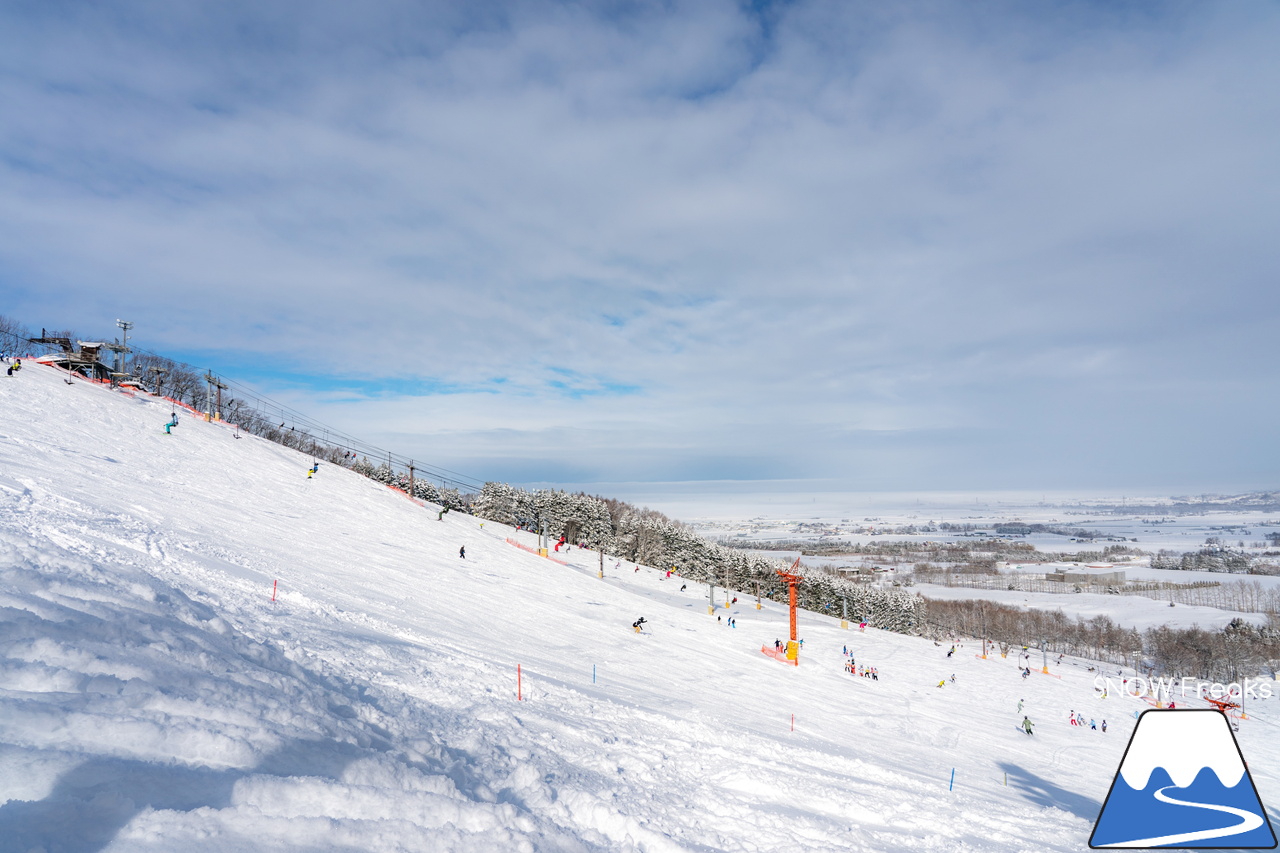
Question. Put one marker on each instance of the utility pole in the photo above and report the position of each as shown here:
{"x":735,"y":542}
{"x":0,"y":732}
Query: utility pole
{"x":122,"y":356}
{"x":212,"y":382}
{"x":410,"y":478}
{"x":726,"y":585}
{"x":158,"y":382}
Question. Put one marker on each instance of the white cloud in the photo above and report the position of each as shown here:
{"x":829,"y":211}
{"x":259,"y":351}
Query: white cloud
{"x":940,"y":225}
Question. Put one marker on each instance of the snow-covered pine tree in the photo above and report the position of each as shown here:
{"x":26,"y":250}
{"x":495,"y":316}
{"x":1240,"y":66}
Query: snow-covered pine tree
{"x":425,"y":490}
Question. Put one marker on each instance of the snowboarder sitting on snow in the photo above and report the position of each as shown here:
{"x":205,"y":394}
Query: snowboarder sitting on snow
{"x":638,"y":625}
{"x":952,"y":651}
{"x":1026,"y":725}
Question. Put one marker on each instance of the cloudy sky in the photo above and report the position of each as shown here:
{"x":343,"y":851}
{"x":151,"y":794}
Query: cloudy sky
{"x":999,"y":245}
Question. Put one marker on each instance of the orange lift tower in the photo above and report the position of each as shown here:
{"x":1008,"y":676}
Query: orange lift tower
{"x":792,"y":580}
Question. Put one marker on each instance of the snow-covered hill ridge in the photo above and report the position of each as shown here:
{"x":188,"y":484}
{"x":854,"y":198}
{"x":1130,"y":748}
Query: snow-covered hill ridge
{"x":153,"y":698}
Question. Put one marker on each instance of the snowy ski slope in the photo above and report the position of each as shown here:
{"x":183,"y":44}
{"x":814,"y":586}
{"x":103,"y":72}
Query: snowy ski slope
{"x":154,"y":698}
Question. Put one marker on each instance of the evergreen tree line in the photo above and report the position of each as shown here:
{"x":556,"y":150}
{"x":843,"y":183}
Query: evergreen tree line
{"x":422,"y":489}
{"x":650,"y":538}
{"x":1239,"y":650}
{"x":1210,"y":560}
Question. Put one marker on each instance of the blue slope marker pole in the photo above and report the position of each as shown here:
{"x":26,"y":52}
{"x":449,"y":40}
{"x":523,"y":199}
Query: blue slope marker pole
{"x":952,"y":783}
{"x":593,"y":673}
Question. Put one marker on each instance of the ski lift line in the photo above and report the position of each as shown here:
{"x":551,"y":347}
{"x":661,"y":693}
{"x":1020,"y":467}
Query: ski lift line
{"x":346,"y":441}
{"x":335,"y":437}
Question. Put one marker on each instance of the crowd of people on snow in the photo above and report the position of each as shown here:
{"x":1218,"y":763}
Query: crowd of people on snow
{"x":1076,"y":719}
{"x":852,"y":666}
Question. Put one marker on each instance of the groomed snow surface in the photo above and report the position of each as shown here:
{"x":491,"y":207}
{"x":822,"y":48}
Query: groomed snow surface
{"x":153,"y":698}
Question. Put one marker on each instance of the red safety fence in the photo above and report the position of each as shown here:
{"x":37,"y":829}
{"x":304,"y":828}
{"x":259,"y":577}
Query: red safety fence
{"x":778,"y":654}
{"x":524,"y":547}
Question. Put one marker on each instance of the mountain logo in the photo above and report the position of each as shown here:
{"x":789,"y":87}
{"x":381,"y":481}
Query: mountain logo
{"x":1183,"y":783}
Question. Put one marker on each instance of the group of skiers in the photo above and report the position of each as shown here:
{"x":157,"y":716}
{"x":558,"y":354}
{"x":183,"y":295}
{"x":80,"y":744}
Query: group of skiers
{"x":864,"y":671}
{"x":852,"y":667}
{"x":1078,"y":720}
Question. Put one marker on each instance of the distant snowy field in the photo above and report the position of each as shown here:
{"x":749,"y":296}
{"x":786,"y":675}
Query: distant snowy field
{"x":828,"y":517}
{"x":153,"y":698}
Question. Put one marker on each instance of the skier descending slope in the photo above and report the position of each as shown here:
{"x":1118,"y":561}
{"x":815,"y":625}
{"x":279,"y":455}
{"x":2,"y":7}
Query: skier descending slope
{"x":1027,"y":724}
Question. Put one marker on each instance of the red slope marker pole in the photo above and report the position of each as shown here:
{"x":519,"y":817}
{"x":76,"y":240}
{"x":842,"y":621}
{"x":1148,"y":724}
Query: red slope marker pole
{"x":793,"y":722}
{"x":519,"y":689}
{"x":274,"y":584}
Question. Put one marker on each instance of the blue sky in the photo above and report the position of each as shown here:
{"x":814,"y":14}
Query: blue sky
{"x":867,"y":245}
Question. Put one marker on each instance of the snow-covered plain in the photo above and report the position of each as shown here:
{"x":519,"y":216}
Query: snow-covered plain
{"x":853,"y":516}
{"x":154,"y":698}
{"x":834,"y":518}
